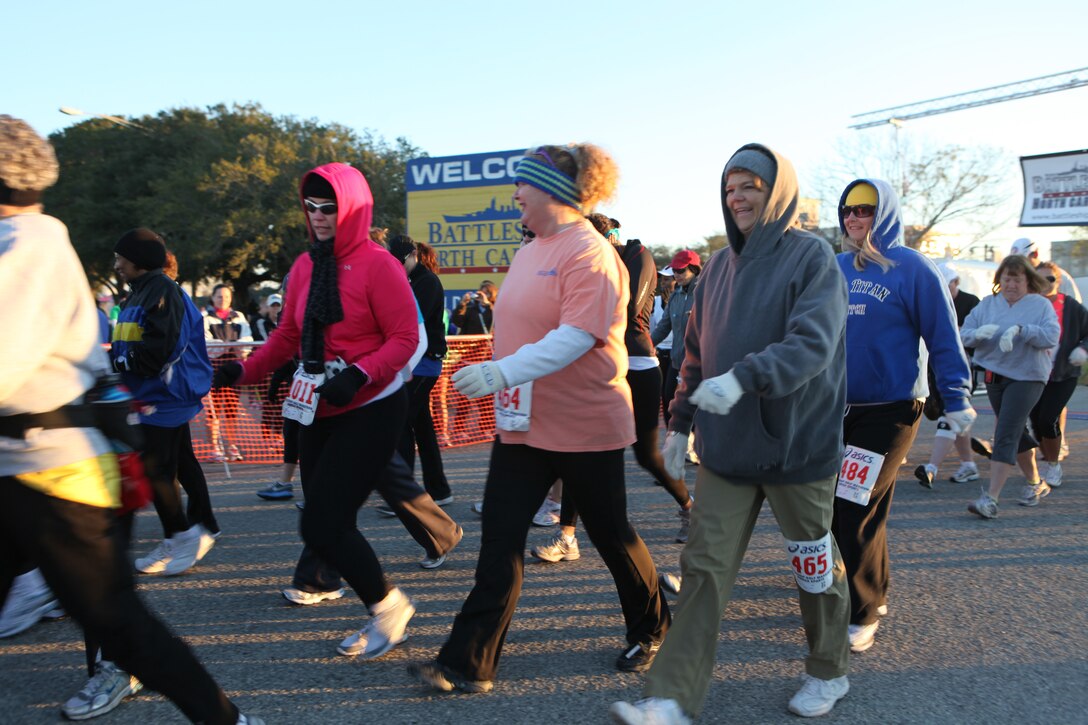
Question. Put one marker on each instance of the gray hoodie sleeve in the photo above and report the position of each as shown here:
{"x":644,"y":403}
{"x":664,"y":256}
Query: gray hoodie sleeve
{"x":814,"y":330}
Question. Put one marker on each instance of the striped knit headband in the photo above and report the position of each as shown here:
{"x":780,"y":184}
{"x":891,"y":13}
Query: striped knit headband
{"x":549,"y":180}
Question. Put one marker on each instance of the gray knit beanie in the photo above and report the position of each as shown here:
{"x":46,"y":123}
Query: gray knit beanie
{"x":28,"y":164}
{"x":751,"y":159}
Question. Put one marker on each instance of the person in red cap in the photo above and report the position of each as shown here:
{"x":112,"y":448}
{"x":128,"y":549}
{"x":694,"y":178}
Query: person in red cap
{"x":685,"y":266}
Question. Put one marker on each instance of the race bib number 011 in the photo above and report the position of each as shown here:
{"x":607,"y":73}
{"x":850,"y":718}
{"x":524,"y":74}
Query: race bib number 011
{"x":811,"y":562}
{"x":858,"y":474}
{"x":513,"y":407}
{"x":301,"y":401}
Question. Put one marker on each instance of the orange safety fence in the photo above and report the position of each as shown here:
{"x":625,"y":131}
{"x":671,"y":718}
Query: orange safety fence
{"x":243,"y":425}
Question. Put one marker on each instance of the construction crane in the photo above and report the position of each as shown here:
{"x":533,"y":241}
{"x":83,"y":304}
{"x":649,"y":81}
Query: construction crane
{"x":957,"y":102}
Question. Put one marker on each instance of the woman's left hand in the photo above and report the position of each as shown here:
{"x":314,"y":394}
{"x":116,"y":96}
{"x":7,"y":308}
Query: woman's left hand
{"x":1006,"y":341}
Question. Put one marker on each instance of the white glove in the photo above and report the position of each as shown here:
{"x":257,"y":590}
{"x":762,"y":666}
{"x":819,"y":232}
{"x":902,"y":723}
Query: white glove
{"x":476,"y":381}
{"x":717,"y":395}
{"x":1078,"y":356}
{"x":961,"y":421}
{"x":986,"y":332}
{"x":1005,"y":343}
{"x":674,"y":452}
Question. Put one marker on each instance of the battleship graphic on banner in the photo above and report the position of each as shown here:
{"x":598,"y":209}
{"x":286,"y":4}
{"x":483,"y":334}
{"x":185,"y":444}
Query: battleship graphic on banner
{"x":462,"y":206}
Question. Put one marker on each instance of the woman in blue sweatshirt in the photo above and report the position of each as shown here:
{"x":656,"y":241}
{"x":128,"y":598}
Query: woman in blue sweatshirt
{"x":897,"y":301}
{"x":1014,"y":332}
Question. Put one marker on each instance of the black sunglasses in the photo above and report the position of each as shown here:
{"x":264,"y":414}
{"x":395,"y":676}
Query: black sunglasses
{"x":328,"y":208}
{"x":528,"y":233}
{"x":861,"y":211}
{"x":1051,"y":278}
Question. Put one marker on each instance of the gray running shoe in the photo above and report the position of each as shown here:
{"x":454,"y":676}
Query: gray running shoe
{"x":102,"y":693}
{"x":1031,"y":494}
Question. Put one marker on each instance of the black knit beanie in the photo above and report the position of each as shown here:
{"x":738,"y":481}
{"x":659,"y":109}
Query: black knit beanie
{"x":318,"y":186}
{"x":142,"y":247}
{"x":401,"y":247}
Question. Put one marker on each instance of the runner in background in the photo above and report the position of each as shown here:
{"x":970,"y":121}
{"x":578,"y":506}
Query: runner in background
{"x":224,"y":324}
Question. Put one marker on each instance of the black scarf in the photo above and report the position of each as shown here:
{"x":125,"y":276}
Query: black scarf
{"x":322,"y":302}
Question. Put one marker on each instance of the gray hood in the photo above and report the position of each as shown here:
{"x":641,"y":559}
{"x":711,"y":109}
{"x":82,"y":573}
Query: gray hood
{"x":780,"y":212}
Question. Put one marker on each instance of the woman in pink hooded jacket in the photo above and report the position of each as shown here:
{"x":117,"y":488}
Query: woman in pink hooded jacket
{"x":351,"y":318}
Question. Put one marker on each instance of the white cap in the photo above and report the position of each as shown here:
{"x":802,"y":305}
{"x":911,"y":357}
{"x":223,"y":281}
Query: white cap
{"x":1024,"y":247}
{"x":666,"y":271}
{"x":275,"y":300}
{"x":948,"y":271}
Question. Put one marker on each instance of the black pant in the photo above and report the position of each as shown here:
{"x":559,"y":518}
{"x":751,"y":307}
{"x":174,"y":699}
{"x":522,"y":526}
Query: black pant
{"x":420,"y":432}
{"x":517,"y":481}
{"x":198,"y":507}
{"x":862,"y":531}
{"x":292,"y":429}
{"x":645,"y":398}
{"x":342,"y":457}
{"x":122,"y":535}
{"x":1047,"y":414}
{"x":428,"y":524}
{"x":668,"y":390}
{"x":75,"y":547}
{"x":162,"y":454}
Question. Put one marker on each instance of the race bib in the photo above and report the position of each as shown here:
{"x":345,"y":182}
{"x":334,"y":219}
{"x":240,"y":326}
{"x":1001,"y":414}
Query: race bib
{"x":513,"y":407}
{"x":811,"y":563}
{"x":859,"y":472}
{"x":301,"y":401}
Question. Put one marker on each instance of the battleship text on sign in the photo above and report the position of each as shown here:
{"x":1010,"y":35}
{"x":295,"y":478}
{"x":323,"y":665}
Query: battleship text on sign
{"x":462,"y":206}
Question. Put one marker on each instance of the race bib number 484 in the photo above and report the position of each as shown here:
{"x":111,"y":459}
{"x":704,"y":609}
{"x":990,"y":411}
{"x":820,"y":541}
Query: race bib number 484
{"x":858,"y":474}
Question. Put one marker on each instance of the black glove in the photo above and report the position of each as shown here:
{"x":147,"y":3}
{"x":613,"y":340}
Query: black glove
{"x":342,"y":387}
{"x":227,"y":374}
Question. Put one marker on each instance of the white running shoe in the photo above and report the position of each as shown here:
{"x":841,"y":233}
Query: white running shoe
{"x":429,"y":563}
{"x":1053,"y":475}
{"x":968,"y":471}
{"x":29,"y":601}
{"x":156,"y":560}
{"x":560,"y":548}
{"x":297,"y":596}
{"x":207,"y":541}
{"x":1032,"y":493}
{"x":184,"y":550}
{"x":862,"y":636}
{"x":816,"y":697}
{"x":651,"y":711}
{"x":102,"y":693}
{"x":548,"y":513}
{"x":385,"y":630}
{"x":985,"y":506}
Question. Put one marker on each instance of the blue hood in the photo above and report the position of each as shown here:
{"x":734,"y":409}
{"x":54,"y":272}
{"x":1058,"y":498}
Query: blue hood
{"x":887,"y":222}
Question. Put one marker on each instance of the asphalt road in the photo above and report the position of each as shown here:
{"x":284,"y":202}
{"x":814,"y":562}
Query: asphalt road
{"x":987,"y":619}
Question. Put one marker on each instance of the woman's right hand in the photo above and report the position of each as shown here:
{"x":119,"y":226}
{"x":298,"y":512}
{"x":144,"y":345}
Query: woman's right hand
{"x":985,"y":332}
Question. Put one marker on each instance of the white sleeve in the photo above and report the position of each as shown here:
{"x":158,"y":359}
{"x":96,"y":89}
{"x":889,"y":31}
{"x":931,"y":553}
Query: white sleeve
{"x":553,"y":352}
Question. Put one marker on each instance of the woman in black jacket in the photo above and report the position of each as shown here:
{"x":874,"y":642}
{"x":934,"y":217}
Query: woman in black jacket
{"x":1072,"y":352}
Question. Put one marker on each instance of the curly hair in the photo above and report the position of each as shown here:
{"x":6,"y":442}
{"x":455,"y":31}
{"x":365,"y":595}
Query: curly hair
{"x":594,"y":171}
{"x":27,"y":162}
{"x":378,"y":235}
{"x":426,"y":256}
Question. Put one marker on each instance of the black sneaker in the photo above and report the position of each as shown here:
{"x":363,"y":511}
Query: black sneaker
{"x":982,"y":448}
{"x":924,"y":476}
{"x":439,"y":677}
{"x":637,"y":657}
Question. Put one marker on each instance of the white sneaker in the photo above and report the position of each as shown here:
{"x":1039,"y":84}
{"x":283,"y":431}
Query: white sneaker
{"x":297,"y":596}
{"x":968,"y":471}
{"x":184,"y":548}
{"x":29,"y":600}
{"x":985,"y":506}
{"x":862,"y":635}
{"x":882,"y":610}
{"x":816,"y":697}
{"x":102,"y":693}
{"x":385,"y":630}
{"x":1032,"y":493}
{"x":207,"y":541}
{"x":651,"y":711}
{"x":548,"y":513}
{"x":1053,"y":475}
{"x":670,"y":583}
{"x":560,"y":548}
{"x":156,"y":560}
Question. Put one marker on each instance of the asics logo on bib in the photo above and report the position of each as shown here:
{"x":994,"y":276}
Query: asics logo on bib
{"x":860,"y":455}
{"x":807,"y":548}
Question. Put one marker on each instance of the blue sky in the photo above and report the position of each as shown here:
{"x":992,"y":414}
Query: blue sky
{"x":670,"y":89}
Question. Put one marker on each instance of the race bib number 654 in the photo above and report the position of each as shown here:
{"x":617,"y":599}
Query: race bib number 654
{"x":513,"y":406}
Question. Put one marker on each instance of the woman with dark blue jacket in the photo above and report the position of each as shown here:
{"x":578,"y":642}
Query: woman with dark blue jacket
{"x":897,"y":301}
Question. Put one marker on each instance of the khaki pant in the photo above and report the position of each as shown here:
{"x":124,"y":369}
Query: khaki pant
{"x":721,"y":526}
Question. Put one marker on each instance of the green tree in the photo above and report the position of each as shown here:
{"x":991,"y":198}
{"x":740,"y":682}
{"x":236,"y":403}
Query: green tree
{"x":220,"y":184}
